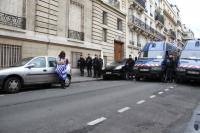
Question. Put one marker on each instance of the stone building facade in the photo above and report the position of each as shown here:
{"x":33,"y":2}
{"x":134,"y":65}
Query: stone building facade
{"x":45,"y":27}
{"x":108,"y":28}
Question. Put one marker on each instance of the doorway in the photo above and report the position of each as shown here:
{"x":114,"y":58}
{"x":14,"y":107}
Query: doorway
{"x":118,"y":50}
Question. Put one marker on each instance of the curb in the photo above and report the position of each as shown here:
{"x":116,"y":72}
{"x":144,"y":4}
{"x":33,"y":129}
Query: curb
{"x":85,"y":81}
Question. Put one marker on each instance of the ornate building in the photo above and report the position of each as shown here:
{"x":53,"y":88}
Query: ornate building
{"x":45,"y":27}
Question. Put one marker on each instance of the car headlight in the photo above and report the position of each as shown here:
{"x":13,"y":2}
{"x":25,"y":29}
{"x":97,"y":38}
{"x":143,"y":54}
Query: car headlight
{"x":181,"y":69}
{"x":156,"y":68}
{"x":119,"y":67}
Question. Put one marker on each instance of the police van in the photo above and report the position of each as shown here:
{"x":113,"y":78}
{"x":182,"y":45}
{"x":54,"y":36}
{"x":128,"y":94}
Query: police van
{"x":150,"y":63}
{"x":189,"y":62}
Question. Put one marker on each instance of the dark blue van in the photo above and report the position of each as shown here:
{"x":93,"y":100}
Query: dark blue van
{"x":150,"y":63}
{"x":189,"y":62}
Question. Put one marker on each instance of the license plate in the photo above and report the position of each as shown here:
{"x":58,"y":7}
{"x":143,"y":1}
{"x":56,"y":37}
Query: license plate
{"x":144,"y":70}
{"x":192,"y":72}
{"x":108,"y":72}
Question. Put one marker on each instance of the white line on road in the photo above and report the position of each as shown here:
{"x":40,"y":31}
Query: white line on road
{"x":141,"y":102}
{"x":171,"y":87}
{"x":160,"y":93}
{"x":153,"y":96}
{"x":166,"y":89}
{"x":97,"y":121}
{"x":123,"y":109}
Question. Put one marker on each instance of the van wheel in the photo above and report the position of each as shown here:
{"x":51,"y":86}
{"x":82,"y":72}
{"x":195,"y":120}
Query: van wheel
{"x":12,"y":85}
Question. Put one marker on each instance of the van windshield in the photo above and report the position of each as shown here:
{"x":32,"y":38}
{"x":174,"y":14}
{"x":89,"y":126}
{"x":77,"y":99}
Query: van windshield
{"x":190,"y":54}
{"x":152,"y":54}
{"x":153,"y":50}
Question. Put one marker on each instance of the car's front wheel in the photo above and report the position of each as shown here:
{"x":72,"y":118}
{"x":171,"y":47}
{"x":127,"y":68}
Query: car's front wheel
{"x":12,"y":85}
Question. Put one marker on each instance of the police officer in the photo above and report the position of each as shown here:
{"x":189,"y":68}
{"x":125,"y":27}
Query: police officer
{"x":95,"y":64}
{"x":81,"y":63}
{"x":170,"y":67}
{"x":129,"y":66}
{"x":100,"y":66}
{"x":89,"y":65}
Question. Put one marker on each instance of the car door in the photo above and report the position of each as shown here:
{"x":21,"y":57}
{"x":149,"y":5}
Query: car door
{"x":51,"y":65}
{"x":38,"y":72}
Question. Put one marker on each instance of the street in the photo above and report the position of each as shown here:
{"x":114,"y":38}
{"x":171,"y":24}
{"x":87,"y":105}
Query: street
{"x":100,"y":107}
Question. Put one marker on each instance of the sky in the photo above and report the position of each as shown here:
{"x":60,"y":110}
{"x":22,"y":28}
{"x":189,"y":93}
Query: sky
{"x":189,"y":12}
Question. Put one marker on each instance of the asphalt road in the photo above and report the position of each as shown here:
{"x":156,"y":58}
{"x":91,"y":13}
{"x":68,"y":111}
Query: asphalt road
{"x":100,"y":107}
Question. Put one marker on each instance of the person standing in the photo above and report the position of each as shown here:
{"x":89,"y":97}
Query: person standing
{"x":81,"y":63}
{"x":95,"y":64}
{"x":61,"y":68}
{"x":170,"y":66}
{"x":129,"y":66}
{"x":100,"y":66}
{"x":89,"y":65}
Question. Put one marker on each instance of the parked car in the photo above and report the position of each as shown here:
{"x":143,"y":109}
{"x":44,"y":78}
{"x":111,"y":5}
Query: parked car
{"x":116,"y":69}
{"x":30,"y":71}
{"x":189,"y":62}
{"x":151,"y":61}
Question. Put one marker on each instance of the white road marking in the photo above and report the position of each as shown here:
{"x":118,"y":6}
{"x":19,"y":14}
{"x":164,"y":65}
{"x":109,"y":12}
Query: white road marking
{"x":123,"y":109}
{"x":160,"y":93}
{"x":153,"y":96}
{"x":141,"y":102}
{"x":166,"y":89}
{"x":171,"y":87}
{"x":97,"y":121}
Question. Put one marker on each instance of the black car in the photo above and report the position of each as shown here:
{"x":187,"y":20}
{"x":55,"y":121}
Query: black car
{"x":116,"y":69}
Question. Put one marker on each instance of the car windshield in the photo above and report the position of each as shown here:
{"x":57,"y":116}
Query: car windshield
{"x":190,"y":54}
{"x":153,"y":50}
{"x":22,"y":62}
{"x":119,"y":62}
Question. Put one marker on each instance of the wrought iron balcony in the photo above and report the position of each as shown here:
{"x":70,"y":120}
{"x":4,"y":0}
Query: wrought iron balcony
{"x":11,"y":20}
{"x":76,"y":35}
{"x":136,"y":23}
{"x":141,"y":2}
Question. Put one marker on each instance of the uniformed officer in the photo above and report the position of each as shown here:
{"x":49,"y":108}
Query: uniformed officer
{"x":100,"y":66}
{"x":95,"y":63}
{"x":89,"y":65}
{"x":170,"y":66}
{"x":129,"y":66}
{"x":81,"y":63}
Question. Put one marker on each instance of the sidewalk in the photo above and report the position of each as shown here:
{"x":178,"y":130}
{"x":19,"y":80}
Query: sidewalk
{"x":76,"y":78}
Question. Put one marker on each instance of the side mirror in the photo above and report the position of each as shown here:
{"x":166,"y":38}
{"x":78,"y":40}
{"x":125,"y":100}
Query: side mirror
{"x":30,"y":66}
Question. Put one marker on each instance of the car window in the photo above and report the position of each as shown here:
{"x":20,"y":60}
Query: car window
{"x":51,"y":62}
{"x":39,"y":62}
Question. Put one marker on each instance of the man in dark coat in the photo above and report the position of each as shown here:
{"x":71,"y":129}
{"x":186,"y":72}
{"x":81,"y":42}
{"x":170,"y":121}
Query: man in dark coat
{"x":100,"y":66}
{"x":81,"y":63}
{"x":170,"y":67}
{"x":95,"y":64}
{"x":89,"y":65}
{"x":129,"y":66}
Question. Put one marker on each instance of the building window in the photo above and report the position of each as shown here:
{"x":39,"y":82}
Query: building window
{"x":10,"y":54}
{"x":104,"y":35}
{"x":76,"y":22}
{"x":105,"y":17}
{"x":119,"y":24}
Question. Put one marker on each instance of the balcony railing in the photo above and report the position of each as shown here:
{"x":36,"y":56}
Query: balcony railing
{"x":76,"y":35}
{"x":141,"y":2}
{"x":139,"y":23}
{"x":11,"y":20}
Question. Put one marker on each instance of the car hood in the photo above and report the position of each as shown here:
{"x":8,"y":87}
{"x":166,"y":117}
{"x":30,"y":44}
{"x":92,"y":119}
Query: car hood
{"x":111,"y":67}
{"x":10,"y":70}
{"x":148,"y":62}
{"x":188,"y":63}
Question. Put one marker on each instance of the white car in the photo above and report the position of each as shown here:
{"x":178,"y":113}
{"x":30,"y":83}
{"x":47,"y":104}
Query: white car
{"x":30,"y":71}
